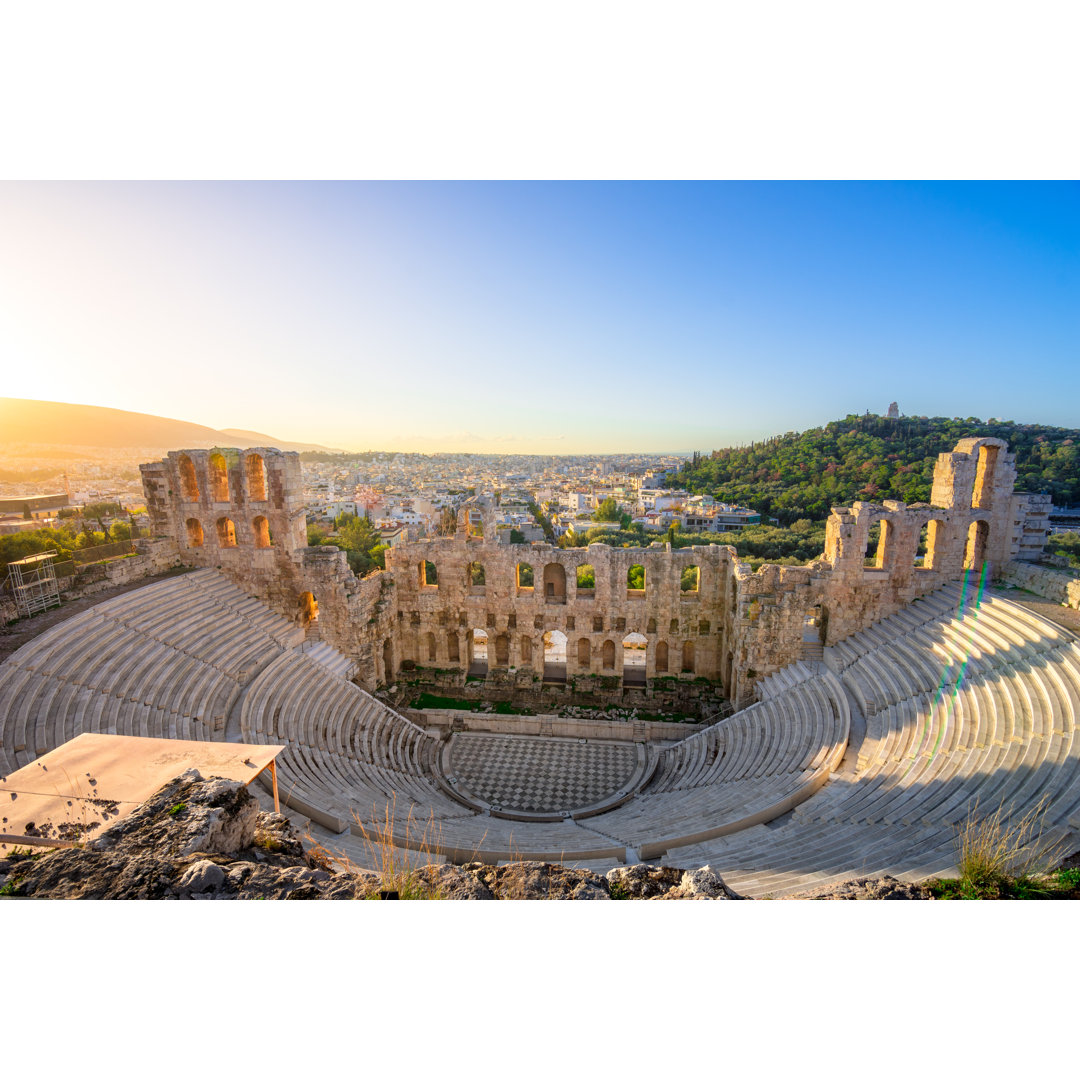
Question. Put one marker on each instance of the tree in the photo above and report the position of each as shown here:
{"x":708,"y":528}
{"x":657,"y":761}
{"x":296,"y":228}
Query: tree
{"x":608,"y":510}
{"x":517,"y":536}
{"x":447,"y":522}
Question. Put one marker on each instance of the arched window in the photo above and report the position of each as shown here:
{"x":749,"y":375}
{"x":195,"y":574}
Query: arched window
{"x":584,"y":654}
{"x":982,"y":494}
{"x":431,"y":653}
{"x":526,"y":649}
{"x":194,"y":532}
{"x":524,"y":575}
{"x":609,"y":655}
{"x":189,"y":486}
{"x":261,"y":529}
{"x":453,"y":648}
{"x":219,"y":478}
{"x":554,"y":656}
{"x":388,"y":661}
{"x":226,"y":533}
{"x":309,"y":609}
{"x":975,"y":549}
{"x":255,"y":470}
{"x":554,"y":583}
{"x":691,"y":579}
{"x":502,"y":650}
{"x":661,"y":656}
{"x":635,"y":581}
{"x":635,"y":647}
{"x":688,"y":657}
{"x":933,"y":531}
{"x":586,"y":579}
{"x":475,"y":578}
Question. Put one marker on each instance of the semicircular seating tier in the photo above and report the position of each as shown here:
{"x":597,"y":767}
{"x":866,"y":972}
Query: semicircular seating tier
{"x":167,"y":661}
{"x":971,"y":707}
{"x":947,"y":703}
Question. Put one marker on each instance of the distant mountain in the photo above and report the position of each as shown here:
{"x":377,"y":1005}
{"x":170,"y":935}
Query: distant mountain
{"x":257,"y":438}
{"x":61,"y":424}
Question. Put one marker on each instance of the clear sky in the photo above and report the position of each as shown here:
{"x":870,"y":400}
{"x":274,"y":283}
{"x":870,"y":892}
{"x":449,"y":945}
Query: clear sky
{"x":546,"y":317}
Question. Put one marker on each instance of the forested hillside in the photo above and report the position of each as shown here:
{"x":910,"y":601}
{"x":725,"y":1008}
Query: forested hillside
{"x":872,"y":458}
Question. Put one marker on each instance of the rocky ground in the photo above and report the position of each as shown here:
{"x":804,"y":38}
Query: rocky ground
{"x":207,"y":839}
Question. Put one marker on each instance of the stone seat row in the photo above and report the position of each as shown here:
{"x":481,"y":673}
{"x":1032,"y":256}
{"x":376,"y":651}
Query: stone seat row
{"x":1005,"y":737}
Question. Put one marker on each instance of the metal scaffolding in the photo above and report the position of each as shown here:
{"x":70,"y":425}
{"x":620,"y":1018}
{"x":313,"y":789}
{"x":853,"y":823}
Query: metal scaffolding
{"x":33,"y":583}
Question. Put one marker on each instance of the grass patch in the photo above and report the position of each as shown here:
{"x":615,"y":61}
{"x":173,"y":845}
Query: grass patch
{"x":1000,"y":859}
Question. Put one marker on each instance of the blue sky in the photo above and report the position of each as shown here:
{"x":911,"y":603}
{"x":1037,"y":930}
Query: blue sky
{"x":546,"y":317}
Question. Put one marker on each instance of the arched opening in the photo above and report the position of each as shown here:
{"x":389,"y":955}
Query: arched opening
{"x":814,"y":626}
{"x":982,"y":494}
{"x":255,"y":472}
{"x":219,"y":478}
{"x":453,"y":648}
{"x":502,"y":650}
{"x":920,"y":547}
{"x":432,"y":653}
{"x":975,"y":550}
{"x":586,"y":580}
{"x":688,"y":658}
{"x":226,"y":533}
{"x":933,"y":531}
{"x":554,"y":583}
{"x":194,"y":532}
{"x":429,"y":576}
{"x":525,"y":576}
{"x":885,"y":535}
{"x":388,"y":661}
{"x":475,"y":578}
{"x":309,"y":609}
{"x":584,"y":654}
{"x":555,"y":656}
{"x":651,"y":627}
{"x":691,"y":579}
{"x":661,"y":656}
{"x":635,"y":647}
{"x":635,"y":581}
{"x":729,"y":664}
{"x":873,"y":541}
{"x":478,"y":652}
{"x":609,"y":656}
{"x":526,"y":649}
{"x":189,"y":486}
{"x":261,"y":528}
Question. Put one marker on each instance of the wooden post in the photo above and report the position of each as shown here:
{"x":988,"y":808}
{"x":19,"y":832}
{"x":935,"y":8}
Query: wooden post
{"x":273,"y":774}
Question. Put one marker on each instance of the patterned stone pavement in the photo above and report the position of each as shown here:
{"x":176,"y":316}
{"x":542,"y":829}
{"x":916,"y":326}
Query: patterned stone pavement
{"x":535,"y":774}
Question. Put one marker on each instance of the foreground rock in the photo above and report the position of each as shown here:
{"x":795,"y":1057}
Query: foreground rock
{"x":883,"y":888}
{"x":206,"y":839}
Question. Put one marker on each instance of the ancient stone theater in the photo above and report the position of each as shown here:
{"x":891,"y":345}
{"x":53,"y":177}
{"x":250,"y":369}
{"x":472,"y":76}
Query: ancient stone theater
{"x":846,"y":715}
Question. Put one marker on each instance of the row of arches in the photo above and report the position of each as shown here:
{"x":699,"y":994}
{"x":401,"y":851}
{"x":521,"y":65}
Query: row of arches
{"x":881,"y":540}
{"x":225,"y":530}
{"x":553,"y":579}
{"x":485,"y":648}
{"x":218,"y":478}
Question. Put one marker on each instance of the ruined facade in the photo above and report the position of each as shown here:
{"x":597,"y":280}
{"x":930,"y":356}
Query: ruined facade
{"x":600,"y":619}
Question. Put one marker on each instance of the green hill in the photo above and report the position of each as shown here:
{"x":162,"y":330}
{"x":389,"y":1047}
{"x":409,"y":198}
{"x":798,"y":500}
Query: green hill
{"x":803,"y":475}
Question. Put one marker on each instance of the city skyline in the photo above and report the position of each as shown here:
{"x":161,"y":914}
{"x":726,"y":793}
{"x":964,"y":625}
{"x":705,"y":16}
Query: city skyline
{"x":542,"y":318}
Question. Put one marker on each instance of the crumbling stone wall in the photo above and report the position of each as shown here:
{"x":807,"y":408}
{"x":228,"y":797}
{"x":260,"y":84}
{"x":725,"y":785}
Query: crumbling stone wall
{"x":242,"y":511}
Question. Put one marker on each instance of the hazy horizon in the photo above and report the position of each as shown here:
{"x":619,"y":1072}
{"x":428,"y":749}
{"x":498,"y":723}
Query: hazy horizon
{"x":542,"y":318}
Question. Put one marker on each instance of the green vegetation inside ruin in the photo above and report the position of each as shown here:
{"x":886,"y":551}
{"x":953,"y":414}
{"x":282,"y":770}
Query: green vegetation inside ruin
{"x":173,"y":811}
{"x":438,"y":701}
{"x":1062,"y":884}
{"x":872,"y":458}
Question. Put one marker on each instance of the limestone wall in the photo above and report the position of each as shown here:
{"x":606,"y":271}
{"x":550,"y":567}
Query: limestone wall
{"x":1062,"y":586}
{"x":242,"y":511}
